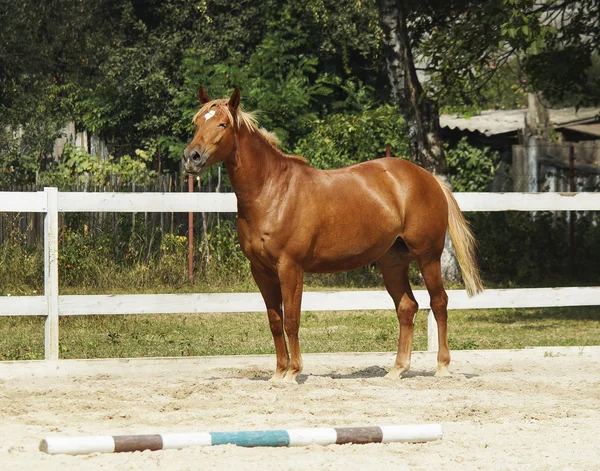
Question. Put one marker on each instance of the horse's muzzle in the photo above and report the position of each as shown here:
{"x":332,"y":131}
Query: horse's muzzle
{"x":194,"y":161}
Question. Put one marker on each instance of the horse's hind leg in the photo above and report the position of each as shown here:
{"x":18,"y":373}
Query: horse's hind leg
{"x":394,"y":268}
{"x":432,"y":274}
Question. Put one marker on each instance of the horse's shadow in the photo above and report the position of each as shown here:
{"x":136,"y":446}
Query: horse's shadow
{"x":369,"y":372}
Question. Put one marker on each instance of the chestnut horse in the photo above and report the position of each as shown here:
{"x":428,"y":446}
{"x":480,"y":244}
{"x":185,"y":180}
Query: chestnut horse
{"x":295,"y":219}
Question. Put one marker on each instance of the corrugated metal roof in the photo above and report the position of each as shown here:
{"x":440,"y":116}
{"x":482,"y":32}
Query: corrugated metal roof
{"x":590,"y":129}
{"x":493,"y":122}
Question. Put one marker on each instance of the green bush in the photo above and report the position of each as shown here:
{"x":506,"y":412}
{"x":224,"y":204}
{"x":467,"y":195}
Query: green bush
{"x":515,"y":249}
{"x":223,"y":256}
{"x":348,"y":138}
{"x":15,"y":166}
{"x":21,"y":269}
{"x":471,"y":168}
{"x":77,"y":163}
{"x":532,"y":249}
{"x":83,"y":259}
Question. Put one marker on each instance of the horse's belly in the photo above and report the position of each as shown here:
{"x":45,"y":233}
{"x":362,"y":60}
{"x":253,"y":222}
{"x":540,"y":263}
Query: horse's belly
{"x":348,"y":254}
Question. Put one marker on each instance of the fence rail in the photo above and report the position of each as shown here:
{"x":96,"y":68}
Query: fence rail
{"x":199,"y":303}
{"x":52,"y":305}
{"x":73,"y":202}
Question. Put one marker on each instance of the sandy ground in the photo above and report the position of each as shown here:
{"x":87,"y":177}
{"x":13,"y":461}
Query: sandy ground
{"x":528,"y":409}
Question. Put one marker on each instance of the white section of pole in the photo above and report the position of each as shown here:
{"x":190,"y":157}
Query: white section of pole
{"x":77,"y":445}
{"x":411,"y":433}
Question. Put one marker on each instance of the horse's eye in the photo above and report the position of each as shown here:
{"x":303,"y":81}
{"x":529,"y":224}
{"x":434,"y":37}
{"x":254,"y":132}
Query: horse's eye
{"x":222,"y":125}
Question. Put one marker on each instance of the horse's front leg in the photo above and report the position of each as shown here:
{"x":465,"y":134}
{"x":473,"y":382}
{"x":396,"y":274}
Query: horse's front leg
{"x":291,"y":277}
{"x":271,"y":292}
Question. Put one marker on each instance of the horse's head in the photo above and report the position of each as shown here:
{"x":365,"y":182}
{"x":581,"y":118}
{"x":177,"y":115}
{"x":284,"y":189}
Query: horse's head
{"x":214,"y":138}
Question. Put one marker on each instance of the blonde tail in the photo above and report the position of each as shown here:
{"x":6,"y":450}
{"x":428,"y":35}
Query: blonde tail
{"x":464,"y":242}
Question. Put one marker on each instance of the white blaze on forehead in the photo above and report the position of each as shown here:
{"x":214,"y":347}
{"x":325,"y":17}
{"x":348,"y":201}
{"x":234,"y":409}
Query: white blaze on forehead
{"x":209,"y":115}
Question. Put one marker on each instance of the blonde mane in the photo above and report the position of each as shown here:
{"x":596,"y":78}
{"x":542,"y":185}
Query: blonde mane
{"x":242,"y":117}
{"x":247,"y":119}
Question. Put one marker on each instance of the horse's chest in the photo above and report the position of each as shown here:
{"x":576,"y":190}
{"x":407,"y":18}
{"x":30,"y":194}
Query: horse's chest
{"x":257,"y":244}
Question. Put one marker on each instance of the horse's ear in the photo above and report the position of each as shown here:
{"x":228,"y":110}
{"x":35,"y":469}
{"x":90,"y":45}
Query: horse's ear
{"x":234,"y":100}
{"x":203,"y":97}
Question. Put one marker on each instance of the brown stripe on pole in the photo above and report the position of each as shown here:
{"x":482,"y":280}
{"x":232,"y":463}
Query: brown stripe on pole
{"x":128,"y":443}
{"x":358,"y":435}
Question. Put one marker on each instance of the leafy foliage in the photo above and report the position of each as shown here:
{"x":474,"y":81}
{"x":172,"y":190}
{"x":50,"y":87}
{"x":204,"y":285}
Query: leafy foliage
{"x":506,"y":89}
{"x":48,"y":52}
{"x":519,"y":247}
{"x":471,"y":168}
{"x":129,"y":72}
{"x":464,"y":44}
{"x":307,"y":63}
{"x":567,"y":69}
{"x":77,"y":163}
{"x":345,"y":139}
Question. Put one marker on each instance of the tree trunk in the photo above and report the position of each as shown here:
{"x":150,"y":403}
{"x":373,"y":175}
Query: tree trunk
{"x":420,"y":112}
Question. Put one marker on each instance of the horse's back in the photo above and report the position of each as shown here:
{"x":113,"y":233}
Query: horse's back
{"x":402,"y":170}
{"x":405,"y":182}
{"x":356,"y":213}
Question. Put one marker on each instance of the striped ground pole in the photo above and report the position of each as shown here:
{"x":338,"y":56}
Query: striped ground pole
{"x":291,"y":437}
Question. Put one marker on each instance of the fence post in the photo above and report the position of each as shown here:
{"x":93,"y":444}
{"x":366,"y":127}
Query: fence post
{"x":432,"y":333}
{"x":51,"y":273}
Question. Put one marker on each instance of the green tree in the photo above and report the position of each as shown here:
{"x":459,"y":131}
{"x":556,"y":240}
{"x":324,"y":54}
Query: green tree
{"x":567,"y":69}
{"x":348,"y":138}
{"x":307,"y":61}
{"x":464,"y":45}
{"x":47,"y":49}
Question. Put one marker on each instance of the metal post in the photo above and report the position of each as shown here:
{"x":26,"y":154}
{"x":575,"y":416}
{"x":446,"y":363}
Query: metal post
{"x":51,"y":274}
{"x":571,"y":213}
{"x":133,"y":214}
{"x":191,"y":233}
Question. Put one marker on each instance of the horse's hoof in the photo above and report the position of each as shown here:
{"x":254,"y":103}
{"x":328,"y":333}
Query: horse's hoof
{"x":396,"y":373}
{"x":277,"y":378}
{"x":284,"y":383}
{"x":290,"y":378}
{"x":443,"y":372}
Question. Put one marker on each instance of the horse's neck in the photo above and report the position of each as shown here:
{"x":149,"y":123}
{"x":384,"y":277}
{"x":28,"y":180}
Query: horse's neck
{"x":254,"y":165}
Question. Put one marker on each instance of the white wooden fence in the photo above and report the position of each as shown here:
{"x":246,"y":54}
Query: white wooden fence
{"x":52,"y":305}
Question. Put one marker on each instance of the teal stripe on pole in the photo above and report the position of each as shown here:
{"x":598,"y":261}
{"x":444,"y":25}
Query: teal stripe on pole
{"x":252,"y":438}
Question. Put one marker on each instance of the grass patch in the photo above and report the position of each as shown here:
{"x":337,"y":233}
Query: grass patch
{"x":21,"y":338}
